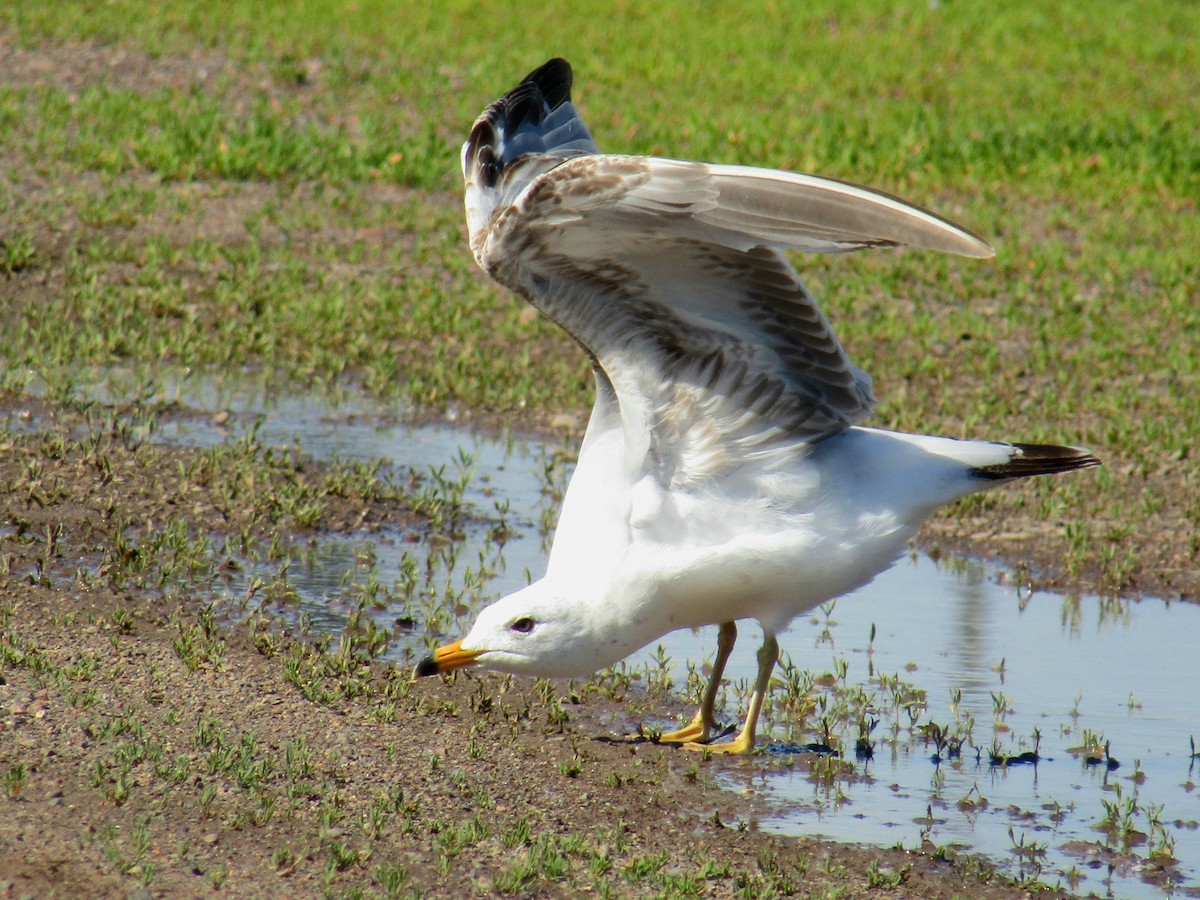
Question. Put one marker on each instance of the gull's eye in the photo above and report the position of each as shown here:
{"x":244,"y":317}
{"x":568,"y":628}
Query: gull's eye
{"x":523,"y":625}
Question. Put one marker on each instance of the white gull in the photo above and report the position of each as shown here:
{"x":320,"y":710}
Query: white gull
{"x":723,"y":475}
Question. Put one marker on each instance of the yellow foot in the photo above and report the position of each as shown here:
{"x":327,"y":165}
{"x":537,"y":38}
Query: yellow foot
{"x":692,"y":731}
{"x":640,"y":735}
{"x":743,"y":743}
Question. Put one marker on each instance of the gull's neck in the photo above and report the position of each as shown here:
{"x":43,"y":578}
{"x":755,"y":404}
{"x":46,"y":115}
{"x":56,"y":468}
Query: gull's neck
{"x":593,"y":523}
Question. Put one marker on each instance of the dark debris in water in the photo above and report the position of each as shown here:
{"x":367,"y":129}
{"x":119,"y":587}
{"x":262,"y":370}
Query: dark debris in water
{"x":1029,"y":757}
{"x":946,"y":744}
{"x":815,"y":747}
{"x":864,"y":747}
{"x":1106,"y":760}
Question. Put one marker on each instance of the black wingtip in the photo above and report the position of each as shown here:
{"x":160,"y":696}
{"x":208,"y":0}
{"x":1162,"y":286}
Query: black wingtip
{"x":427,"y":666}
{"x":539,"y":93}
{"x":553,"y":79}
{"x":1039,"y":459}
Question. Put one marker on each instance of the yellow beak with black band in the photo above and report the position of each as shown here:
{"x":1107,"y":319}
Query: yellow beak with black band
{"x":446,"y":659}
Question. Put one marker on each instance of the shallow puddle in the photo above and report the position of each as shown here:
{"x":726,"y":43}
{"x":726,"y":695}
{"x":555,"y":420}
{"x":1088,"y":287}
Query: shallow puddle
{"x":1059,"y":665}
{"x":1045,"y":673}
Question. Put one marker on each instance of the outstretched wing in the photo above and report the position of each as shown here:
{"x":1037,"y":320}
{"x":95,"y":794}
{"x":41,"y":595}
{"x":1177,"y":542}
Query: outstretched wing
{"x":671,"y":275}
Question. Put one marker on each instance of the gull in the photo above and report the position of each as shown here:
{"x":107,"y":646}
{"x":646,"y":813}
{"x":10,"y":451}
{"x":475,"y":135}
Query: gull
{"x":723,"y":474}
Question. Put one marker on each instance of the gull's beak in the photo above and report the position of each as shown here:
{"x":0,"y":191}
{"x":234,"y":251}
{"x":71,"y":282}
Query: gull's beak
{"x":444,"y":659}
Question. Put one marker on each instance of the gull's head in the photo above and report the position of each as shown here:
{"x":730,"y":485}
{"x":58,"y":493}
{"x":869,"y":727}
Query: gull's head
{"x":538,"y":631}
{"x":528,"y":131}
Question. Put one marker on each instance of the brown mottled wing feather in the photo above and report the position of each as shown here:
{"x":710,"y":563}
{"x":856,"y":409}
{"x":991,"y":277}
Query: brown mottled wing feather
{"x":669,"y":274}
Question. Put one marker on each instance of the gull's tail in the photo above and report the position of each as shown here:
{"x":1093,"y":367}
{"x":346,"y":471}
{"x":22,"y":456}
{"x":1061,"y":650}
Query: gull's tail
{"x":1037,"y":459}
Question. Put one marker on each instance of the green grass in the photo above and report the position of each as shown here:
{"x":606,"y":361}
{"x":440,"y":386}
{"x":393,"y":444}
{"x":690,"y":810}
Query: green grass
{"x":277,"y":187}
{"x":882,"y":87}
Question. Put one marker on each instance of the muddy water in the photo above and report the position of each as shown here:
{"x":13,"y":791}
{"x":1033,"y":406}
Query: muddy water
{"x":1040,"y":672}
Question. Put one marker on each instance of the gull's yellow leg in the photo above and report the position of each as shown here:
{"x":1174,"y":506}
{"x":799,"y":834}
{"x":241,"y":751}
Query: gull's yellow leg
{"x":702,"y":724}
{"x":768,"y":655}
